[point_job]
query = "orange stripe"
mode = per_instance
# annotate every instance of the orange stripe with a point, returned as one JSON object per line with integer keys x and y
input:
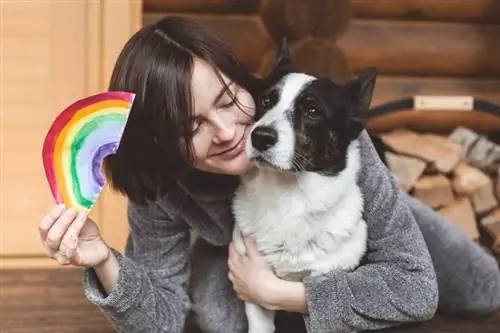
{"x": 65, "y": 138}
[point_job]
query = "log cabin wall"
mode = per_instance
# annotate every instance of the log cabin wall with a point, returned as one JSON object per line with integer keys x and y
{"x": 419, "y": 46}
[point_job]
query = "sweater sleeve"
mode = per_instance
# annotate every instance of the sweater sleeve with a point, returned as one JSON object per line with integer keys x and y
{"x": 396, "y": 282}
{"x": 151, "y": 291}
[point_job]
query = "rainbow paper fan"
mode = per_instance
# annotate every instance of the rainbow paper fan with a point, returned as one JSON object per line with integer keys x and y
{"x": 78, "y": 141}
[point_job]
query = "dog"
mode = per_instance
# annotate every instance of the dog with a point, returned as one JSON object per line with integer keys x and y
{"x": 301, "y": 203}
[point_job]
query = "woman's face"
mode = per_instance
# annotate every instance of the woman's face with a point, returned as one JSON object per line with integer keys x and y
{"x": 221, "y": 123}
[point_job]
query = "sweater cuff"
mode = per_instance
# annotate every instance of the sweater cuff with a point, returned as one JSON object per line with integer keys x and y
{"x": 125, "y": 294}
{"x": 322, "y": 297}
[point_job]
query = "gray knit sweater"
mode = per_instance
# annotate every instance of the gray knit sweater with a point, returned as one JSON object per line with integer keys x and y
{"x": 396, "y": 283}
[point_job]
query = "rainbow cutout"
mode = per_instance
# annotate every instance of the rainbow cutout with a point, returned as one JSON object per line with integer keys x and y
{"x": 79, "y": 139}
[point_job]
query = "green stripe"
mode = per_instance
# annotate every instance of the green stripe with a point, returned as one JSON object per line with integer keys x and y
{"x": 79, "y": 138}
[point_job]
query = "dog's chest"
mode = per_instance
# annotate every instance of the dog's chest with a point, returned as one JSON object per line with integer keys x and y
{"x": 301, "y": 227}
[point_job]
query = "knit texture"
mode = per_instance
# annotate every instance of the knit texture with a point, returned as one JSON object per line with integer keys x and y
{"x": 412, "y": 253}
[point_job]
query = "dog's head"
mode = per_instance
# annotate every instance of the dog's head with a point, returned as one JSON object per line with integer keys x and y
{"x": 304, "y": 123}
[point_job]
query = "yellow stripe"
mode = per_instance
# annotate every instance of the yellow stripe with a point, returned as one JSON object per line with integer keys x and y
{"x": 66, "y": 137}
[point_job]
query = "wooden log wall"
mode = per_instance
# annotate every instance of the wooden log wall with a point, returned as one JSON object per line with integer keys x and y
{"x": 440, "y": 47}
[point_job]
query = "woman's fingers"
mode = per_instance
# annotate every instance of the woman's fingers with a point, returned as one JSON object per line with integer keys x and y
{"x": 70, "y": 238}
{"x": 58, "y": 229}
{"x": 48, "y": 220}
{"x": 69, "y": 241}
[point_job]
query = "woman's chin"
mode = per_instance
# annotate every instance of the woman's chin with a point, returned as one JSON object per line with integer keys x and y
{"x": 237, "y": 166}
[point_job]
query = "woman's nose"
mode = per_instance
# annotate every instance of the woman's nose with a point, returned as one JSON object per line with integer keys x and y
{"x": 225, "y": 128}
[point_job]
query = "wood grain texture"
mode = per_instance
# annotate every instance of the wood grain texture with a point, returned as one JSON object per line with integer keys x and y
{"x": 389, "y": 88}
{"x": 52, "y": 300}
{"x": 35, "y": 60}
{"x": 329, "y": 60}
{"x": 296, "y": 19}
{"x": 49, "y": 300}
{"x": 245, "y": 33}
{"x": 423, "y": 48}
{"x": 478, "y": 11}
{"x": 202, "y": 6}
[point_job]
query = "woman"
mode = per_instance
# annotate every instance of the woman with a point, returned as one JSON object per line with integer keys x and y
{"x": 178, "y": 164}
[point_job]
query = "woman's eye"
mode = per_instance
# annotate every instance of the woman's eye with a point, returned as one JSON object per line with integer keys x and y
{"x": 229, "y": 104}
{"x": 196, "y": 126}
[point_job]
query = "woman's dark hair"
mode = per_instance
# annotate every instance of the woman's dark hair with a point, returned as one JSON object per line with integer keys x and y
{"x": 156, "y": 64}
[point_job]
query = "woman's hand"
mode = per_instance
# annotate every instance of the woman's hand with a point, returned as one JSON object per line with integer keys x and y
{"x": 252, "y": 278}
{"x": 72, "y": 238}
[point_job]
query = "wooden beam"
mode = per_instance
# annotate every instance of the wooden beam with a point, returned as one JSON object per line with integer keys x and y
{"x": 389, "y": 88}
{"x": 477, "y": 11}
{"x": 244, "y": 33}
{"x": 202, "y": 6}
{"x": 423, "y": 48}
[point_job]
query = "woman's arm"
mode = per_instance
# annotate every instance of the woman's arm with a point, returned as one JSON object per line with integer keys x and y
{"x": 151, "y": 282}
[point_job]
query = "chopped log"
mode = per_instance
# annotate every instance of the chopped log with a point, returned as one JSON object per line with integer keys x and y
{"x": 202, "y": 6}
{"x": 447, "y": 152}
{"x": 471, "y": 182}
{"x": 491, "y": 225}
{"x": 416, "y": 48}
{"x": 477, "y": 150}
{"x": 497, "y": 186}
{"x": 485, "y": 155}
{"x": 406, "y": 170}
{"x": 245, "y": 34}
{"x": 441, "y": 152}
{"x": 296, "y": 19}
{"x": 434, "y": 191}
{"x": 329, "y": 60}
{"x": 465, "y": 137}
{"x": 461, "y": 214}
{"x": 467, "y": 179}
{"x": 477, "y": 11}
{"x": 390, "y": 88}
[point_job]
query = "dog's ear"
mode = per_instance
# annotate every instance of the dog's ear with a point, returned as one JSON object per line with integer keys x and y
{"x": 361, "y": 90}
{"x": 361, "y": 94}
{"x": 283, "y": 63}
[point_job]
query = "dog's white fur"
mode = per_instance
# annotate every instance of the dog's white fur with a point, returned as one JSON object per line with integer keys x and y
{"x": 303, "y": 223}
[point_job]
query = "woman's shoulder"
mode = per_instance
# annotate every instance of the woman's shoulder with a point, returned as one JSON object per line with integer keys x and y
{"x": 165, "y": 207}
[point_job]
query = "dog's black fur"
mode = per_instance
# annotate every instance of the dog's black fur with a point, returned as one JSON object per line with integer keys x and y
{"x": 326, "y": 116}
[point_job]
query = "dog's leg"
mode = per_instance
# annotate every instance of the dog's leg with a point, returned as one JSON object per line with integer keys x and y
{"x": 238, "y": 242}
{"x": 260, "y": 320}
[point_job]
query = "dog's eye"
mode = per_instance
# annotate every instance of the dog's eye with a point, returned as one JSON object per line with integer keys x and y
{"x": 312, "y": 113}
{"x": 265, "y": 101}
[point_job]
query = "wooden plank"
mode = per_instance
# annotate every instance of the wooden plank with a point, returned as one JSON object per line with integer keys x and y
{"x": 244, "y": 33}
{"x": 47, "y": 300}
{"x": 202, "y": 6}
{"x": 297, "y": 19}
{"x": 390, "y": 88}
{"x": 423, "y": 48}
{"x": 477, "y": 11}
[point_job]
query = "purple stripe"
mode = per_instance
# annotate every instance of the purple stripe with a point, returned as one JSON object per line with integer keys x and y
{"x": 97, "y": 159}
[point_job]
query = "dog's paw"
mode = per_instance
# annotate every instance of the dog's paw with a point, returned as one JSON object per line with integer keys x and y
{"x": 262, "y": 329}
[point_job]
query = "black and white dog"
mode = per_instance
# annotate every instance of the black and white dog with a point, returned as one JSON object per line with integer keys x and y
{"x": 301, "y": 204}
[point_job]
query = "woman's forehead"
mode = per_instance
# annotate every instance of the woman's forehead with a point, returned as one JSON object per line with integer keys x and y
{"x": 206, "y": 86}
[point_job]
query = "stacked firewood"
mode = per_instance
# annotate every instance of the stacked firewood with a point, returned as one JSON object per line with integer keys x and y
{"x": 458, "y": 175}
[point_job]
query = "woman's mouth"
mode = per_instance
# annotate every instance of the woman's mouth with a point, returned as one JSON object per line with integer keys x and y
{"x": 234, "y": 151}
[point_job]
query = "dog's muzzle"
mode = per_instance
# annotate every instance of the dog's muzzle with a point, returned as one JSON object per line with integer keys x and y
{"x": 263, "y": 138}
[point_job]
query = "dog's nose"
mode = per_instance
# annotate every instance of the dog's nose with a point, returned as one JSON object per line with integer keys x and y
{"x": 264, "y": 137}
